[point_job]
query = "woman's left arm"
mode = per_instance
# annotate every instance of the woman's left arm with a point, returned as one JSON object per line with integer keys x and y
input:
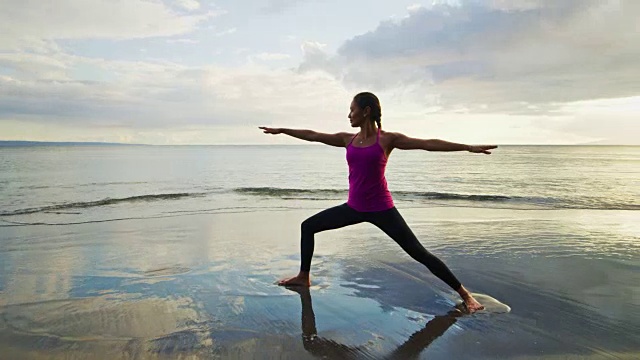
{"x": 403, "y": 142}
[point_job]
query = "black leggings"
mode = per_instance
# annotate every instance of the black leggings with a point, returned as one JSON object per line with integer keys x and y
{"x": 390, "y": 221}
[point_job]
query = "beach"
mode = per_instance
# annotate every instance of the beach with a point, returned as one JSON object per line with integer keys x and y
{"x": 199, "y": 286}
{"x": 193, "y": 277}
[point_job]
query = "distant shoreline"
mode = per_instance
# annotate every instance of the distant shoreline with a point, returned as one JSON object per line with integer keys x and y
{"x": 20, "y": 143}
{"x": 25, "y": 143}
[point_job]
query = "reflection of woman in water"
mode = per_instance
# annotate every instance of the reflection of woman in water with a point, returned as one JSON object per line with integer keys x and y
{"x": 326, "y": 348}
{"x": 369, "y": 199}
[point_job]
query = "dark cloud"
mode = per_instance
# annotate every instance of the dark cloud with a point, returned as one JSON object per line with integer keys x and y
{"x": 488, "y": 54}
{"x": 462, "y": 31}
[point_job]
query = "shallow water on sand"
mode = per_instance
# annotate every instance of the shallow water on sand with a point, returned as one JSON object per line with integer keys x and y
{"x": 149, "y": 254}
{"x": 203, "y": 286}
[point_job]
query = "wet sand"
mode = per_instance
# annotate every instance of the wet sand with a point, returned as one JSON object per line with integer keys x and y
{"x": 202, "y": 286}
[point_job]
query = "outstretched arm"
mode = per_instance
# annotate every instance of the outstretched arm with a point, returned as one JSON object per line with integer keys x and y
{"x": 338, "y": 139}
{"x": 403, "y": 142}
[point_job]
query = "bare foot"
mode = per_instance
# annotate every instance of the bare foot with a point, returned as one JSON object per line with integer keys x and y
{"x": 470, "y": 303}
{"x": 298, "y": 280}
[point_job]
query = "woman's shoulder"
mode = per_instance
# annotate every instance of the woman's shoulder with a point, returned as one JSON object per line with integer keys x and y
{"x": 387, "y": 138}
{"x": 389, "y": 135}
{"x": 347, "y": 135}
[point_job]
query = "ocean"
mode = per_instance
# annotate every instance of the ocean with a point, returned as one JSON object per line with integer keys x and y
{"x": 172, "y": 252}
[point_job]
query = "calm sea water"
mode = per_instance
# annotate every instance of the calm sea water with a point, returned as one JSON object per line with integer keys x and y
{"x": 554, "y": 231}
{"x": 94, "y": 183}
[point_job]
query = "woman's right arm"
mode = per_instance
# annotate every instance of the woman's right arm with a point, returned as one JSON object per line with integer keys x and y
{"x": 339, "y": 139}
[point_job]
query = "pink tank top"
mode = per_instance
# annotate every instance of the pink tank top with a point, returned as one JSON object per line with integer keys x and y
{"x": 368, "y": 190}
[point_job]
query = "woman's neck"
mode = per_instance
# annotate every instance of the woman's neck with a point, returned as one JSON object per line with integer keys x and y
{"x": 367, "y": 131}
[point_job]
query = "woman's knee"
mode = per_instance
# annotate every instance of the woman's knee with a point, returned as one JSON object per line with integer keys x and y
{"x": 308, "y": 226}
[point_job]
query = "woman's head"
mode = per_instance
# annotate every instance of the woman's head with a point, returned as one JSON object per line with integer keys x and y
{"x": 365, "y": 107}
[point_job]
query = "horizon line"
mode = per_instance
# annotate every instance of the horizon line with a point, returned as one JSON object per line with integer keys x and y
{"x": 98, "y": 143}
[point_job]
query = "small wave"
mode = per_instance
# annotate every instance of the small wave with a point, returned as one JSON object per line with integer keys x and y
{"x": 451, "y": 196}
{"x": 492, "y": 200}
{"x": 319, "y": 194}
{"x": 103, "y": 202}
{"x": 329, "y": 194}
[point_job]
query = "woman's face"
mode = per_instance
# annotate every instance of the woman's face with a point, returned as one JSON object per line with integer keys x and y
{"x": 356, "y": 115}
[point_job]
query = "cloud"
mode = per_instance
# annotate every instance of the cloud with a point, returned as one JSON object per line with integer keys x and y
{"x": 34, "y": 66}
{"x": 188, "y": 4}
{"x": 315, "y": 57}
{"x": 414, "y": 7}
{"x": 182, "y": 41}
{"x": 226, "y": 32}
{"x": 275, "y": 6}
{"x": 23, "y": 21}
{"x": 515, "y": 56}
{"x": 271, "y": 56}
{"x": 162, "y": 97}
{"x": 517, "y": 5}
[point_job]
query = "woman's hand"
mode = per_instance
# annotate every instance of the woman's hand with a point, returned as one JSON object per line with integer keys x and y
{"x": 268, "y": 130}
{"x": 481, "y": 149}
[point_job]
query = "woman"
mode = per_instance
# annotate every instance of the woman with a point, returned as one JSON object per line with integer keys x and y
{"x": 369, "y": 198}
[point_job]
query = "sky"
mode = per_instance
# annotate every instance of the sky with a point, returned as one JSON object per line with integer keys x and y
{"x": 211, "y": 72}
